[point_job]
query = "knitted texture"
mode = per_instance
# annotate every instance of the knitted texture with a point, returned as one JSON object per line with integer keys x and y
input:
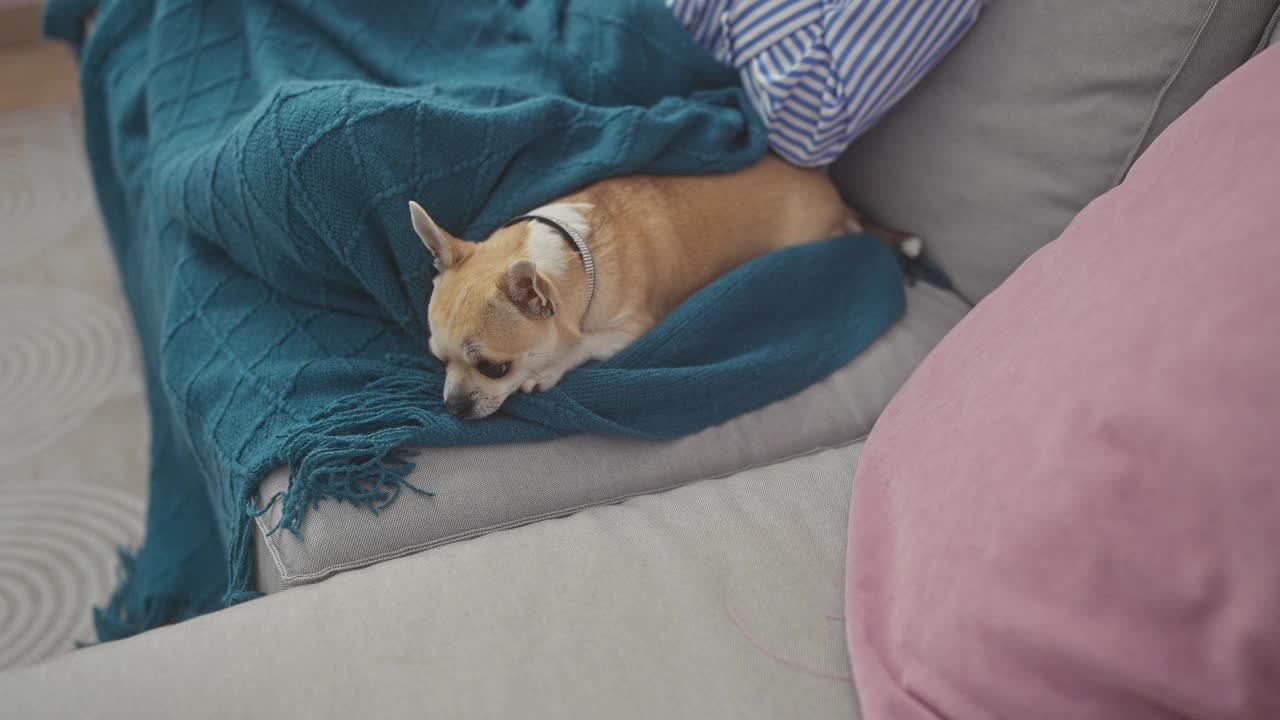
{"x": 253, "y": 161}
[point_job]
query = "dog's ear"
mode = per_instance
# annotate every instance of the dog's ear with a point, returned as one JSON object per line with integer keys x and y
{"x": 528, "y": 290}
{"x": 444, "y": 248}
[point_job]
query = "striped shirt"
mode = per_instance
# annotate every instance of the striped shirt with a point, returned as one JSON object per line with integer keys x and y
{"x": 822, "y": 72}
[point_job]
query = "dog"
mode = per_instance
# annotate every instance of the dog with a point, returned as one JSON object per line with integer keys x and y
{"x": 583, "y": 277}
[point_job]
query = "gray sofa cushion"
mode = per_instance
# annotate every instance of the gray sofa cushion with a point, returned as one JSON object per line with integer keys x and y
{"x": 718, "y": 600}
{"x": 1038, "y": 110}
{"x": 479, "y": 490}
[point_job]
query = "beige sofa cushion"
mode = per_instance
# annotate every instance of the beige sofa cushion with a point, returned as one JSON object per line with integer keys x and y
{"x": 482, "y": 489}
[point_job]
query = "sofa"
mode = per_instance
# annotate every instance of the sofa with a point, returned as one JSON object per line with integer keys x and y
{"x": 702, "y": 577}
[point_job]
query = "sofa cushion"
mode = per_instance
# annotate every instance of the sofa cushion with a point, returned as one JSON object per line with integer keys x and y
{"x": 717, "y": 600}
{"x": 1072, "y": 508}
{"x": 1038, "y": 110}
{"x": 478, "y": 490}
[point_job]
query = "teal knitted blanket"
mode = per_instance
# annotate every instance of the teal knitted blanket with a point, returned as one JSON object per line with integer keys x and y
{"x": 253, "y": 160}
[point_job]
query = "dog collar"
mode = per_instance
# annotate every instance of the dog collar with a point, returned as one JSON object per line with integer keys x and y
{"x": 574, "y": 237}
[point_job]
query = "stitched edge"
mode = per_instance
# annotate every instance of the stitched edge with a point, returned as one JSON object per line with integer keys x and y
{"x": 1268, "y": 32}
{"x": 271, "y": 548}
{"x": 297, "y": 580}
{"x": 1160, "y": 96}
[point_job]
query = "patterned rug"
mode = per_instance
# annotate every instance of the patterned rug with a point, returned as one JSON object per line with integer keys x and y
{"x": 73, "y": 434}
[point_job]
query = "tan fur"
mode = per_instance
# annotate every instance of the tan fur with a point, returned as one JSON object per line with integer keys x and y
{"x": 655, "y": 240}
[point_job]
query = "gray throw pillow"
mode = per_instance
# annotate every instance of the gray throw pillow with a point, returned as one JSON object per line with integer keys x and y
{"x": 1039, "y": 109}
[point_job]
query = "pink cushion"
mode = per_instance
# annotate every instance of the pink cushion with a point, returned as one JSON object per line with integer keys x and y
{"x": 1072, "y": 510}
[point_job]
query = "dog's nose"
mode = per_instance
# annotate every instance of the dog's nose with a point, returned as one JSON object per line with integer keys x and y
{"x": 460, "y": 406}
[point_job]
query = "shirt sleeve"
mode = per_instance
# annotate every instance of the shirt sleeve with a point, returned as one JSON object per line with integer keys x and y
{"x": 822, "y": 72}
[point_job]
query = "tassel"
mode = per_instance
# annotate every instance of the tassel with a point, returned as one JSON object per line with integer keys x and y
{"x": 354, "y": 450}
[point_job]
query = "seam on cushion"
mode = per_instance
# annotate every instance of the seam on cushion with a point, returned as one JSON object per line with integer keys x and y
{"x": 1164, "y": 91}
{"x": 295, "y": 580}
{"x": 270, "y": 542}
{"x": 1268, "y": 32}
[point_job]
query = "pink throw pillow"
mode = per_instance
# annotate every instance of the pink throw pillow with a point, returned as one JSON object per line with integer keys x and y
{"x": 1072, "y": 510}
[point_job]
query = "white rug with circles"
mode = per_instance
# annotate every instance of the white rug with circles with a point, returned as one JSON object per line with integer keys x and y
{"x": 73, "y": 432}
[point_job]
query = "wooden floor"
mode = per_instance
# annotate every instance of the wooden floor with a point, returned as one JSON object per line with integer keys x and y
{"x": 34, "y": 72}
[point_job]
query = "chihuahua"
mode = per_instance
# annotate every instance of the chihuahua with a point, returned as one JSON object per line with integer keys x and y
{"x": 581, "y": 278}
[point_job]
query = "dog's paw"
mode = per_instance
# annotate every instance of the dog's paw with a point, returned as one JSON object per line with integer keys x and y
{"x": 542, "y": 383}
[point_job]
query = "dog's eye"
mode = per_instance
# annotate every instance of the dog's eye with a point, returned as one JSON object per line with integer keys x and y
{"x": 493, "y": 371}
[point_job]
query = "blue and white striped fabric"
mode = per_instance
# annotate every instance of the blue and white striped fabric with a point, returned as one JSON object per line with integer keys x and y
{"x": 821, "y": 72}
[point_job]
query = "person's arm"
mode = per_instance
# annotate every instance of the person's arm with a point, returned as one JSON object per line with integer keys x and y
{"x": 821, "y": 72}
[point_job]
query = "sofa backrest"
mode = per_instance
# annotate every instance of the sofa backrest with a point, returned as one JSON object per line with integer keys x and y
{"x": 1042, "y": 107}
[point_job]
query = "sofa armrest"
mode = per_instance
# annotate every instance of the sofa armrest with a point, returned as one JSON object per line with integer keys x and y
{"x": 719, "y": 599}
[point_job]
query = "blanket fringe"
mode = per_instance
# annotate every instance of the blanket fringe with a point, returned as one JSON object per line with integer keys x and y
{"x": 354, "y": 450}
{"x": 134, "y": 608}
{"x": 240, "y": 573}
